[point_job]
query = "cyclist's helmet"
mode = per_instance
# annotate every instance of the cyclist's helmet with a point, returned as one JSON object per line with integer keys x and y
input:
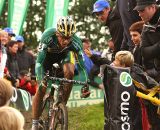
{"x": 66, "y": 26}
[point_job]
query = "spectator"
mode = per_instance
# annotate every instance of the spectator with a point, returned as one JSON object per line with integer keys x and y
{"x": 92, "y": 77}
{"x": 108, "y": 53}
{"x": 87, "y": 61}
{"x": 27, "y": 83}
{"x": 4, "y": 37}
{"x": 135, "y": 32}
{"x": 6, "y": 92}
{"x": 26, "y": 61}
{"x": 12, "y": 64}
{"x": 11, "y": 119}
{"x": 112, "y": 20}
{"x": 110, "y": 44}
{"x": 149, "y": 11}
{"x": 10, "y": 33}
{"x": 113, "y": 89}
{"x": 3, "y": 54}
{"x": 92, "y": 69}
{"x": 128, "y": 16}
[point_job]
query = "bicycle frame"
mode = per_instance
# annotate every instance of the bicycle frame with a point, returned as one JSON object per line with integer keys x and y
{"x": 58, "y": 104}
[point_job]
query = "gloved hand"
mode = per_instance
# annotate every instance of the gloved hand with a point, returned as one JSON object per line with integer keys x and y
{"x": 85, "y": 91}
{"x": 44, "y": 81}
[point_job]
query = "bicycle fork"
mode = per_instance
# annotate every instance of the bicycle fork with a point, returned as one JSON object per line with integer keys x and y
{"x": 53, "y": 113}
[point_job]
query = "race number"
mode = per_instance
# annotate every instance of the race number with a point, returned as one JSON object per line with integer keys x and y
{"x": 41, "y": 47}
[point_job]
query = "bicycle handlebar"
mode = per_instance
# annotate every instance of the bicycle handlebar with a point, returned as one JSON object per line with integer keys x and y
{"x": 66, "y": 80}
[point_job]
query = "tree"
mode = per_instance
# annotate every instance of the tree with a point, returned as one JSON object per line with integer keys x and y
{"x": 81, "y": 10}
{"x": 3, "y": 18}
{"x": 34, "y": 23}
{"x": 87, "y": 25}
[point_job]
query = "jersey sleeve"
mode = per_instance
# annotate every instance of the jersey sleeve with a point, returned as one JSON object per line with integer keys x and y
{"x": 81, "y": 67}
{"x": 77, "y": 47}
{"x": 42, "y": 50}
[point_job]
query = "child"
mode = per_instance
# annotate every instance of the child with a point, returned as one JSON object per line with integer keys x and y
{"x": 135, "y": 32}
{"x": 117, "y": 82}
{"x": 6, "y": 92}
{"x": 11, "y": 119}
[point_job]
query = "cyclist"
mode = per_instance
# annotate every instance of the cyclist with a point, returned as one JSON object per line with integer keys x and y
{"x": 58, "y": 46}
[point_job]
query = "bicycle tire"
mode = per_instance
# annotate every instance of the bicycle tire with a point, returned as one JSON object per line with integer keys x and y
{"x": 60, "y": 117}
{"x": 44, "y": 118}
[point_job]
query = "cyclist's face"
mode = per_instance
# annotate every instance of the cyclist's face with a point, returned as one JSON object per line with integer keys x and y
{"x": 63, "y": 41}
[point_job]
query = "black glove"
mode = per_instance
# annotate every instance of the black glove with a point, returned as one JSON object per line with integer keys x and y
{"x": 85, "y": 91}
{"x": 44, "y": 81}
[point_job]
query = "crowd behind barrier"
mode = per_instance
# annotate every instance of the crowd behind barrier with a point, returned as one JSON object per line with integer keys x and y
{"x": 135, "y": 29}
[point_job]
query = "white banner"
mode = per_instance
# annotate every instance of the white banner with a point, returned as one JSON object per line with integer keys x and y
{"x": 18, "y": 11}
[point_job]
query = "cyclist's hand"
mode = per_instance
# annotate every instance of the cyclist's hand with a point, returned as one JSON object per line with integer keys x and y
{"x": 85, "y": 91}
{"x": 45, "y": 79}
{"x": 44, "y": 82}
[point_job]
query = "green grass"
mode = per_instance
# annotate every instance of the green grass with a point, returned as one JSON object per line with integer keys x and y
{"x": 80, "y": 118}
{"x": 86, "y": 117}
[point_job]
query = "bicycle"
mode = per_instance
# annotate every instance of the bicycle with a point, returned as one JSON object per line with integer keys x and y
{"x": 56, "y": 117}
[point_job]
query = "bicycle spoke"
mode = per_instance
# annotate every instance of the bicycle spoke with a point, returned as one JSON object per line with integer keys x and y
{"x": 60, "y": 118}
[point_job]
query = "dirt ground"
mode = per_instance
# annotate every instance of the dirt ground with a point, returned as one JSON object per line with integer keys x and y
{"x": 28, "y": 119}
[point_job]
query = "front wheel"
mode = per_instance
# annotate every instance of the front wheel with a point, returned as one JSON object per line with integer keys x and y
{"x": 60, "y": 117}
{"x": 45, "y": 116}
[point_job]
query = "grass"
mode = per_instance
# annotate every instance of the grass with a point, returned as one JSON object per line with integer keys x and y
{"x": 80, "y": 118}
{"x": 86, "y": 117}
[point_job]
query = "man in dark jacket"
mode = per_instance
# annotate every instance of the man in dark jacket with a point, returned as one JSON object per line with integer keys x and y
{"x": 112, "y": 20}
{"x": 150, "y": 14}
{"x": 11, "y": 63}
{"x": 25, "y": 60}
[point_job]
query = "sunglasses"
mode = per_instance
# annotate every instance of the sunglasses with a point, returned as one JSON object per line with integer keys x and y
{"x": 64, "y": 38}
{"x": 99, "y": 13}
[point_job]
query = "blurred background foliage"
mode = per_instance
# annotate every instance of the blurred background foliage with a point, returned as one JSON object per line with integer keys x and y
{"x": 81, "y": 10}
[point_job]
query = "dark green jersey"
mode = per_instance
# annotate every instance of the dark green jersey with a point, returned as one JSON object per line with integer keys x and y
{"x": 50, "y": 53}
